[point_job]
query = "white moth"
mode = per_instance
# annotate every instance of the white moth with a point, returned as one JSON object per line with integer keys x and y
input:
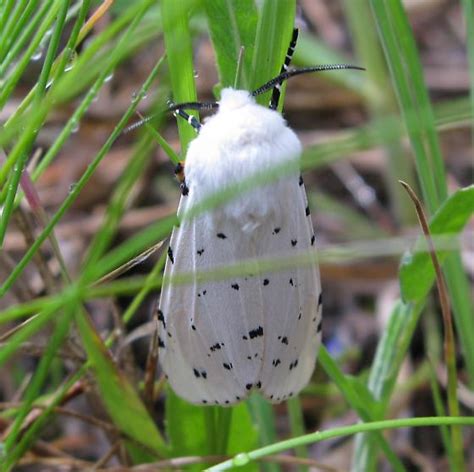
{"x": 220, "y": 340}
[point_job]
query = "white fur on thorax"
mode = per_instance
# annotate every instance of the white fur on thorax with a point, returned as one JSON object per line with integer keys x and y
{"x": 241, "y": 140}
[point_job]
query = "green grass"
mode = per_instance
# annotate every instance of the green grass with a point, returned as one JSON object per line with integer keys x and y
{"x": 398, "y": 105}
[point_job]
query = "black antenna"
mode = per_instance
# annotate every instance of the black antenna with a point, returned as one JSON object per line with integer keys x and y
{"x": 291, "y": 73}
{"x": 193, "y": 106}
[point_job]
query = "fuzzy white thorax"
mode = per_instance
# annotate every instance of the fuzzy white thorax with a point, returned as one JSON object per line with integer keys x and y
{"x": 242, "y": 139}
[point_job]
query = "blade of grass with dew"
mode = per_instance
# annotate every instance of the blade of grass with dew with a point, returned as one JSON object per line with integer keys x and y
{"x": 179, "y": 55}
{"x": 232, "y": 26}
{"x": 5, "y": 15}
{"x": 274, "y": 27}
{"x": 23, "y": 25}
{"x": 59, "y": 65}
{"x": 15, "y": 35}
{"x": 90, "y": 170}
{"x": 12, "y": 80}
{"x": 120, "y": 399}
{"x": 21, "y": 162}
{"x": 69, "y": 81}
{"x": 243, "y": 459}
{"x": 416, "y": 271}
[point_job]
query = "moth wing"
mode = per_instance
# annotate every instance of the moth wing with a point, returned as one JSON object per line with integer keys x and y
{"x": 213, "y": 329}
{"x": 292, "y": 301}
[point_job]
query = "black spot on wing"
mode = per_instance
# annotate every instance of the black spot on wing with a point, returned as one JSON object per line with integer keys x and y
{"x": 313, "y": 239}
{"x": 293, "y": 364}
{"x": 266, "y": 281}
{"x": 319, "y": 327}
{"x": 276, "y": 230}
{"x": 255, "y": 333}
{"x": 320, "y": 299}
{"x": 301, "y": 182}
{"x": 276, "y": 362}
{"x": 307, "y": 211}
{"x": 200, "y": 252}
{"x": 294, "y": 242}
{"x": 216, "y": 347}
{"x": 228, "y": 366}
{"x": 249, "y": 386}
{"x": 161, "y": 318}
{"x": 235, "y": 286}
{"x": 291, "y": 282}
{"x": 283, "y": 339}
{"x": 170, "y": 254}
{"x": 161, "y": 343}
{"x": 221, "y": 236}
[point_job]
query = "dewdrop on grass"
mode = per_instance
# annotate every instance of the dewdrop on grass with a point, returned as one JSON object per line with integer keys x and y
{"x": 221, "y": 339}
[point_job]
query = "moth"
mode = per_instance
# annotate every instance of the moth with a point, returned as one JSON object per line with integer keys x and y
{"x": 220, "y": 339}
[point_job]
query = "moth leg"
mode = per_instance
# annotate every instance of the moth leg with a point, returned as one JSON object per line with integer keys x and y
{"x": 289, "y": 54}
{"x": 179, "y": 173}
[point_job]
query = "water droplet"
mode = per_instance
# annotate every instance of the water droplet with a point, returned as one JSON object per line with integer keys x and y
{"x": 37, "y": 55}
{"x": 69, "y": 67}
{"x": 75, "y": 128}
{"x": 108, "y": 78}
{"x": 72, "y": 187}
{"x": 241, "y": 459}
{"x": 196, "y": 74}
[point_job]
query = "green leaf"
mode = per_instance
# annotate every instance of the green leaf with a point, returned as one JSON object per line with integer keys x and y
{"x": 193, "y": 430}
{"x": 120, "y": 399}
{"x": 231, "y": 26}
{"x": 416, "y": 272}
{"x": 274, "y": 29}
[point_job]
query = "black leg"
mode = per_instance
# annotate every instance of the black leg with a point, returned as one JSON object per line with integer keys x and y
{"x": 289, "y": 54}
